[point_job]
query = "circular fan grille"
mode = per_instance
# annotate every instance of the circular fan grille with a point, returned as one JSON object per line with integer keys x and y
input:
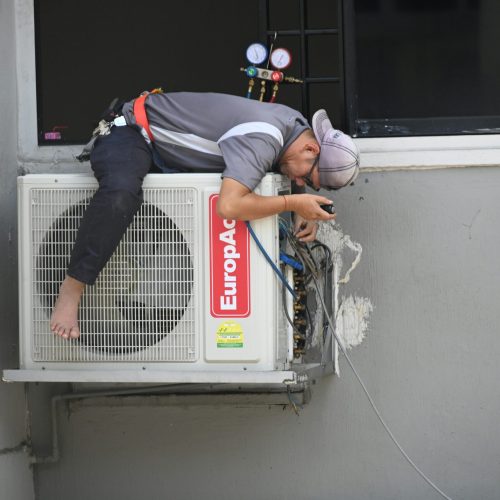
{"x": 141, "y": 295}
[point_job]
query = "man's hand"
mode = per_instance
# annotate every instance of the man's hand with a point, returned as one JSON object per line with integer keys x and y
{"x": 308, "y": 206}
{"x": 305, "y": 230}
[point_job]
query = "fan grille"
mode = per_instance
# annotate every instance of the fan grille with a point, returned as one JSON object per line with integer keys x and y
{"x": 142, "y": 307}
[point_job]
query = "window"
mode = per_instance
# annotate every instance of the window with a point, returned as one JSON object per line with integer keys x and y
{"x": 379, "y": 67}
{"x": 423, "y": 67}
{"x": 90, "y": 52}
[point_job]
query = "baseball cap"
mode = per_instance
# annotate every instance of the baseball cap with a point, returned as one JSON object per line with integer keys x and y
{"x": 339, "y": 157}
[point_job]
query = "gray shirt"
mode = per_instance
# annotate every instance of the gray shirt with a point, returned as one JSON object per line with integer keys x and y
{"x": 204, "y": 132}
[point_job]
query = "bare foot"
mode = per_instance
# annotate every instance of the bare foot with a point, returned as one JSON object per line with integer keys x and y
{"x": 64, "y": 320}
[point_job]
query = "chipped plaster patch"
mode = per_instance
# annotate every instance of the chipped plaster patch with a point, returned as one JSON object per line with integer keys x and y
{"x": 352, "y": 320}
{"x": 352, "y": 313}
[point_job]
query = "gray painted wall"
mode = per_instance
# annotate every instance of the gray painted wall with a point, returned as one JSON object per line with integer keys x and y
{"x": 430, "y": 266}
{"x": 16, "y": 481}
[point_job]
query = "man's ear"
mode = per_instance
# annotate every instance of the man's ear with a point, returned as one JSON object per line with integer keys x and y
{"x": 312, "y": 147}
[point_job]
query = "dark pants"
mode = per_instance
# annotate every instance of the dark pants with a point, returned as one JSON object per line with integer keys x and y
{"x": 120, "y": 161}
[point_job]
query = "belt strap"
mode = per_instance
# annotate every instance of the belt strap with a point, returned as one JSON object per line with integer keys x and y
{"x": 140, "y": 114}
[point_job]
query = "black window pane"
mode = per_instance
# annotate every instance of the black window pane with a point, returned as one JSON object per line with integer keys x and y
{"x": 323, "y": 56}
{"x": 283, "y": 14}
{"x": 429, "y": 66}
{"x": 327, "y": 96}
{"x": 291, "y": 95}
{"x": 322, "y": 14}
{"x": 425, "y": 5}
{"x": 89, "y": 52}
{"x": 84, "y": 60}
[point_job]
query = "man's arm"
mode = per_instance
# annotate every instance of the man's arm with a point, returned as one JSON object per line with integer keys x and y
{"x": 236, "y": 201}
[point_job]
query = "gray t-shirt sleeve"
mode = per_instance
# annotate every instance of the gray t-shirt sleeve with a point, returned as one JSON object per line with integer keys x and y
{"x": 249, "y": 157}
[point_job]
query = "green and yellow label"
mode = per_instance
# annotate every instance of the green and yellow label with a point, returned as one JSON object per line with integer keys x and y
{"x": 229, "y": 334}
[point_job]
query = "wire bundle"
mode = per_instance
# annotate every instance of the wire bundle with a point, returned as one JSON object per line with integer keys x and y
{"x": 313, "y": 271}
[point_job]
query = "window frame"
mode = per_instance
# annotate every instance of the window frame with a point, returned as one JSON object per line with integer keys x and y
{"x": 377, "y": 154}
{"x": 29, "y": 152}
{"x": 415, "y": 151}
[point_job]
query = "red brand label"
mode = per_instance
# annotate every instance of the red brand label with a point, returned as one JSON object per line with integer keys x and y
{"x": 229, "y": 266}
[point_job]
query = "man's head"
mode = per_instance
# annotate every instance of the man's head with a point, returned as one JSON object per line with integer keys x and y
{"x": 338, "y": 163}
{"x": 324, "y": 158}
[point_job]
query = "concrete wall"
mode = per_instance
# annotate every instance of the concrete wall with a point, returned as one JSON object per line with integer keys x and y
{"x": 430, "y": 266}
{"x": 16, "y": 482}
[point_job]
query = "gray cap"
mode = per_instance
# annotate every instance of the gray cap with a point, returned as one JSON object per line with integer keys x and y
{"x": 339, "y": 157}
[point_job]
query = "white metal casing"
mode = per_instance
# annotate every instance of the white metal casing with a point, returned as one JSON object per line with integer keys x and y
{"x": 197, "y": 349}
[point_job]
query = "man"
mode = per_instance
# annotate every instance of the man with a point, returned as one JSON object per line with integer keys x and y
{"x": 202, "y": 132}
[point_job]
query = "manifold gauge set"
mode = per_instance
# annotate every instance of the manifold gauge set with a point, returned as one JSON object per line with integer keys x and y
{"x": 260, "y": 59}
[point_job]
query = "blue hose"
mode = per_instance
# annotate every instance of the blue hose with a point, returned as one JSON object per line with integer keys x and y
{"x": 268, "y": 258}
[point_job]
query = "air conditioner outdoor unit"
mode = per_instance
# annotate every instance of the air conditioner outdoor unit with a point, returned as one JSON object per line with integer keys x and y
{"x": 187, "y": 297}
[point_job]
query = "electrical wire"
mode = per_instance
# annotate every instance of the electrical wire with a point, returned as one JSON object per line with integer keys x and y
{"x": 306, "y": 263}
{"x": 367, "y": 393}
{"x": 328, "y": 253}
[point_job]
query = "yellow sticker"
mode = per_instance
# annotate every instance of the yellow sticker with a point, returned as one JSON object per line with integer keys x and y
{"x": 229, "y": 334}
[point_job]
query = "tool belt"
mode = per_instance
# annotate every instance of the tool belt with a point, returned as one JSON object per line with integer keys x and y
{"x": 108, "y": 119}
{"x": 112, "y": 117}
